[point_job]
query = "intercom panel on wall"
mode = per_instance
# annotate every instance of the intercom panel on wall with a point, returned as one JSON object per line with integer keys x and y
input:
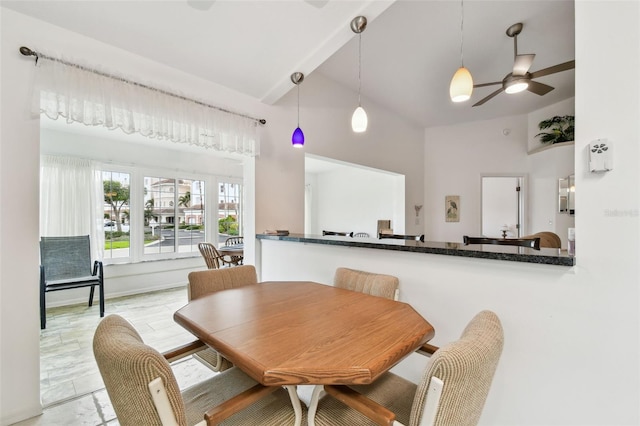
{"x": 600, "y": 156}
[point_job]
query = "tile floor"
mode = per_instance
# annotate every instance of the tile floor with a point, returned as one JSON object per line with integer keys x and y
{"x": 72, "y": 390}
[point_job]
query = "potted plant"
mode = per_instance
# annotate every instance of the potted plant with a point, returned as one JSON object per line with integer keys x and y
{"x": 560, "y": 129}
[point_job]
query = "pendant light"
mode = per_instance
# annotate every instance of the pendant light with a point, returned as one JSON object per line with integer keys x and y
{"x": 359, "y": 119}
{"x": 461, "y": 85}
{"x": 297, "y": 139}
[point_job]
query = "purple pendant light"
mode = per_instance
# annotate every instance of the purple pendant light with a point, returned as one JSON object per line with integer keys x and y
{"x": 297, "y": 139}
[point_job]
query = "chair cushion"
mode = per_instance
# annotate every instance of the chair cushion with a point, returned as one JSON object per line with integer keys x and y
{"x": 391, "y": 391}
{"x": 274, "y": 409}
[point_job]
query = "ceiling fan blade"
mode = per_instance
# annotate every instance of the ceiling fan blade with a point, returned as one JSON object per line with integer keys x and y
{"x": 554, "y": 69}
{"x": 539, "y": 88}
{"x": 487, "y": 84}
{"x": 486, "y": 98}
{"x": 522, "y": 64}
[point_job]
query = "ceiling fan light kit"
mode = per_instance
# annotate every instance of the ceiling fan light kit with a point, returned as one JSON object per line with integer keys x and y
{"x": 520, "y": 79}
{"x": 515, "y": 84}
{"x": 359, "y": 120}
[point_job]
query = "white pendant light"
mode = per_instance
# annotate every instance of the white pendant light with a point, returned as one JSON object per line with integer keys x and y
{"x": 359, "y": 120}
{"x": 461, "y": 85}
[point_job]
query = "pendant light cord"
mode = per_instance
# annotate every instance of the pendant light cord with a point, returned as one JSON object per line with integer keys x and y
{"x": 461, "y": 31}
{"x": 298, "y": 104}
{"x": 359, "y": 67}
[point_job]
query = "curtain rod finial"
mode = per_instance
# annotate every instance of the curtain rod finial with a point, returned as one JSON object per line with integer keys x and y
{"x": 26, "y": 51}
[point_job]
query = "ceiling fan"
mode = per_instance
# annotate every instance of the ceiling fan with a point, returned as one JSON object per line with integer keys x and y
{"x": 520, "y": 78}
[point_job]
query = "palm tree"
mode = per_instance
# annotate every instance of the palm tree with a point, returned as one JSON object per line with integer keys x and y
{"x": 185, "y": 199}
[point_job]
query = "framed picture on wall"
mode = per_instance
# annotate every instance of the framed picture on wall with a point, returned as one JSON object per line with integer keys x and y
{"x": 452, "y": 208}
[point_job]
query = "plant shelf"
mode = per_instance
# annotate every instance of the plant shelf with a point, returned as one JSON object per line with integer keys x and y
{"x": 546, "y": 147}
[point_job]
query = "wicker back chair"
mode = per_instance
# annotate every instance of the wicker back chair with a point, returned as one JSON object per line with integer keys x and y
{"x": 452, "y": 391}
{"x": 366, "y": 282}
{"x": 65, "y": 263}
{"x": 143, "y": 389}
{"x": 202, "y": 283}
{"x": 361, "y": 235}
{"x": 211, "y": 255}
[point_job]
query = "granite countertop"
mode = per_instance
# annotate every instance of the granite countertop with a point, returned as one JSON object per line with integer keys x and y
{"x": 545, "y": 256}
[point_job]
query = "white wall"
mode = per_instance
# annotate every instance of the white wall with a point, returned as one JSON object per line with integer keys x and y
{"x": 353, "y": 199}
{"x": 389, "y": 143}
{"x": 457, "y": 156}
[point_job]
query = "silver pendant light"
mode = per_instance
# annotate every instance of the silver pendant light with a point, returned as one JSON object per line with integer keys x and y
{"x": 461, "y": 85}
{"x": 359, "y": 119}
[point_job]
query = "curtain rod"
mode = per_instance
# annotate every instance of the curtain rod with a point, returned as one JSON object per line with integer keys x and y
{"x": 29, "y": 52}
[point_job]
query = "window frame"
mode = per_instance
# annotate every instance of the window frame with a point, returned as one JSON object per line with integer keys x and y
{"x": 136, "y": 208}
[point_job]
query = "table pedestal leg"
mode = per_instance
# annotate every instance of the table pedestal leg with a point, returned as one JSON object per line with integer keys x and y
{"x": 295, "y": 402}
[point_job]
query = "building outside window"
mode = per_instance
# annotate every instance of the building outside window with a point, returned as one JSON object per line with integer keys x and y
{"x": 229, "y": 210}
{"x": 173, "y": 215}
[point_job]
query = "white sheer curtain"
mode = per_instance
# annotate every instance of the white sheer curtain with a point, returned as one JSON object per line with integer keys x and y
{"x": 71, "y": 200}
{"x": 99, "y": 99}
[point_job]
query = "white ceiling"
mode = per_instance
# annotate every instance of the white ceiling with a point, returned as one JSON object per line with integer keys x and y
{"x": 410, "y": 49}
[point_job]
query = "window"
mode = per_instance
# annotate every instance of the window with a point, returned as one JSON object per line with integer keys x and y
{"x": 116, "y": 214}
{"x": 174, "y": 213}
{"x": 229, "y": 210}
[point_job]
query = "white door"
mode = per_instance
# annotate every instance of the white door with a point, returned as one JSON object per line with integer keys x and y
{"x": 502, "y": 206}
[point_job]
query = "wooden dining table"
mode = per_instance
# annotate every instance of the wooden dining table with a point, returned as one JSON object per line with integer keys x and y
{"x": 290, "y": 333}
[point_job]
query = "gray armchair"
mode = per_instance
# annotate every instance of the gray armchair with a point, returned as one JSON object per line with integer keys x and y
{"x": 65, "y": 263}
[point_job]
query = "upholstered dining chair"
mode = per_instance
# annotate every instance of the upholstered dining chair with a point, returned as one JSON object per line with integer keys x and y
{"x": 382, "y": 235}
{"x": 211, "y": 255}
{"x": 202, "y": 283}
{"x": 143, "y": 389}
{"x": 340, "y": 234}
{"x": 547, "y": 239}
{"x": 367, "y": 282}
{"x": 452, "y": 391}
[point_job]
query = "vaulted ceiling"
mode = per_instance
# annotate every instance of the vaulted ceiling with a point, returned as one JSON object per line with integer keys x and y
{"x": 410, "y": 49}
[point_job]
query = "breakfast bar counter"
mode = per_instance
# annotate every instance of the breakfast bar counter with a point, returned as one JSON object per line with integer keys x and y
{"x": 545, "y": 256}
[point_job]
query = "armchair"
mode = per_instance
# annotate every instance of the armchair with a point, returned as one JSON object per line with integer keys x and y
{"x": 453, "y": 389}
{"x": 143, "y": 389}
{"x": 65, "y": 263}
